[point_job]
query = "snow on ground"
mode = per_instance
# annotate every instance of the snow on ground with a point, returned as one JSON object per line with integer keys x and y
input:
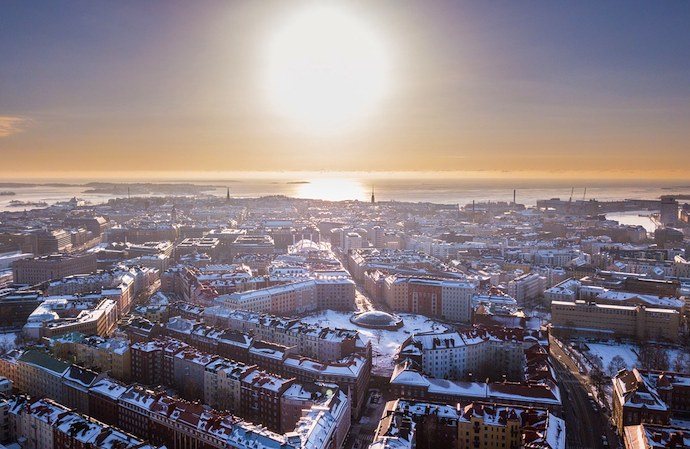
{"x": 384, "y": 343}
{"x": 8, "y": 341}
{"x": 675, "y": 354}
{"x": 607, "y": 351}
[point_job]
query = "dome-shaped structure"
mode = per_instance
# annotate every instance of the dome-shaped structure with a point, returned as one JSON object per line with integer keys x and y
{"x": 377, "y": 319}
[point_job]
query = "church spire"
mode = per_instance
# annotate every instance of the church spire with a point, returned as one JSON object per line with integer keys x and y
{"x": 373, "y": 199}
{"x": 227, "y": 196}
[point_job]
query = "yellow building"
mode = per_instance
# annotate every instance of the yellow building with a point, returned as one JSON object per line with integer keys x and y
{"x": 111, "y": 355}
{"x": 638, "y": 322}
{"x": 489, "y": 427}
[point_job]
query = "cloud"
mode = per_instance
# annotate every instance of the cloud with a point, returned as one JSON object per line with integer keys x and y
{"x": 11, "y": 125}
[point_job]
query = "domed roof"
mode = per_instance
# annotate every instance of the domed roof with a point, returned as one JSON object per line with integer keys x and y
{"x": 376, "y": 318}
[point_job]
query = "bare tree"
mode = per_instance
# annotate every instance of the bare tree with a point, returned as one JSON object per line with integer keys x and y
{"x": 654, "y": 357}
{"x": 616, "y": 364}
{"x": 596, "y": 362}
{"x": 379, "y": 335}
{"x": 680, "y": 363}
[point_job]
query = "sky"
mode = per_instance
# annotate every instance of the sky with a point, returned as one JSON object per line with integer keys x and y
{"x": 544, "y": 88}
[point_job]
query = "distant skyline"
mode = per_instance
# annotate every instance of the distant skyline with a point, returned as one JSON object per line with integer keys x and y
{"x": 525, "y": 89}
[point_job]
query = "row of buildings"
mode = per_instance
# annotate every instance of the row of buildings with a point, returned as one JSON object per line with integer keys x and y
{"x": 37, "y": 423}
{"x": 193, "y": 351}
{"x": 407, "y": 424}
{"x": 509, "y": 366}
{"x": 127, "y": 417}
{"x": 280, "y": 404}
{"x": 90, "y": 304}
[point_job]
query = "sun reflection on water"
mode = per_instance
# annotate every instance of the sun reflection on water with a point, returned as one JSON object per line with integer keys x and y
{"x": 334, "y": 189}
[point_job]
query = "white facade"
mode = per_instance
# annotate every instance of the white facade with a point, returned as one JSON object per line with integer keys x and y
{"x": 352, "y": 240}
{"x": 456, "y": 299}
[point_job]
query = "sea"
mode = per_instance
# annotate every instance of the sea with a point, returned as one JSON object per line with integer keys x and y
{"x": 442, "y": 188}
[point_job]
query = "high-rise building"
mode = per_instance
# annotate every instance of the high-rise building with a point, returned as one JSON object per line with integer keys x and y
{"x": 668, "y": 214}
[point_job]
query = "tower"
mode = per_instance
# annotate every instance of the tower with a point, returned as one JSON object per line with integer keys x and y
{"x": 373, "y": 199}
{"x": 227, "y": 196}
{"x": 668, "y": 211}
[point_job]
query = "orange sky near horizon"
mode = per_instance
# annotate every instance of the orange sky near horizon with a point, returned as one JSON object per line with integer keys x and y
{"x": 522, "y": 90}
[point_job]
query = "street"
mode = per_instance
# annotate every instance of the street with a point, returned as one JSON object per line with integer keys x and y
{"x": 362, "y": 301}
{"x": 361, "y": 433}
{"x": 584, "y": 425}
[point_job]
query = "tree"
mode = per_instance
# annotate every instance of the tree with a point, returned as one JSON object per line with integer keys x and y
{"x": 597, "y": 377}
{"x": 680, "y": 363}
{"x": 596, "y": 362}
{"x": 654, "y": 357}
{"x": 616, "y": 364}
{"x": 379, "y": 335}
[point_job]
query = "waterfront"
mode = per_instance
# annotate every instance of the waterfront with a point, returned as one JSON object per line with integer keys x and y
{"x": 634, "y": 218}
{"x": 359, "y": 186}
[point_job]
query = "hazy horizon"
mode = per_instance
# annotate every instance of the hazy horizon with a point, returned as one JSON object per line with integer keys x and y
{"x": 507, "y": 180}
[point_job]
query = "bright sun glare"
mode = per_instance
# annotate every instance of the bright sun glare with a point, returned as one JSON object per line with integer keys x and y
{"x": 326, "y": 69}
{"x": 332, "y": 189}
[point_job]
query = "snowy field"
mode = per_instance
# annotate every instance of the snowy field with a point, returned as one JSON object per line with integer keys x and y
{"x": 384, "y": 343}
{"x": 607, "y": 351}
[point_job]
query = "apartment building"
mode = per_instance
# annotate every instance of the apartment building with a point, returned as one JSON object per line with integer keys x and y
{"x": 40, "y": 269}
{"x": 639, "y": 322}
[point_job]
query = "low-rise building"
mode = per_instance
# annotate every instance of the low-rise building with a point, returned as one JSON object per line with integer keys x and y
{"x": 639, "y": 322}
{"x": 636, "y": 401}
{"x": 89, "y": 315}
{"x": 56, "y": 266}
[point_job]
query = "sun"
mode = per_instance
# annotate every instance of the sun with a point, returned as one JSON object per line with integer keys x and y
{"x": 326, "y": 70}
